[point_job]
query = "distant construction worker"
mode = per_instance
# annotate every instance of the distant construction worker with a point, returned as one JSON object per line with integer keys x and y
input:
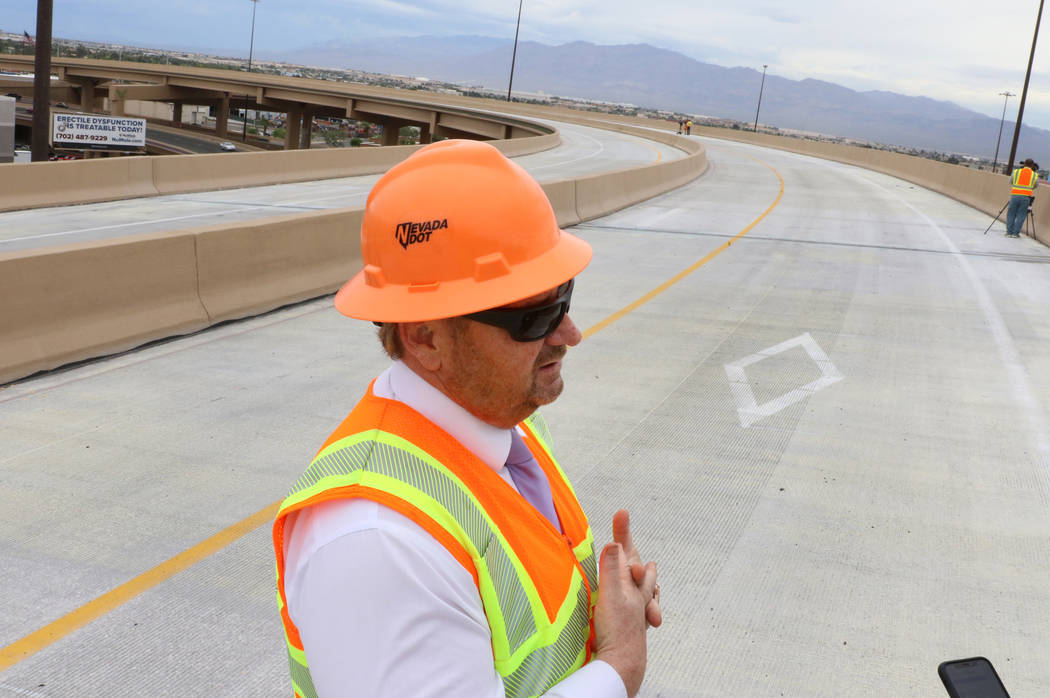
{"x": 688, "y": 126}
{"x": 434, "y": 547}
{"x": 1022, "y": 192}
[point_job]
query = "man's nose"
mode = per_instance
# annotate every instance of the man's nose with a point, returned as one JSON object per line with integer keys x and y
{"x": 567, "y": 333}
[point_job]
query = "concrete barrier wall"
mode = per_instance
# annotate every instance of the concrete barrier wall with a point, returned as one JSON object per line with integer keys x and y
{"x": 34, "y": 185}
{"x": 87, "y": 300}
{"x": 254, "y": 267}
{"x": 516, "y": 147}
{"x": 601, "y": 194}
{"x": 64, "y": 304}
{"x": 985, "y": 191}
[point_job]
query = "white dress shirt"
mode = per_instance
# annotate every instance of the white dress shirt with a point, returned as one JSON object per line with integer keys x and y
{"x": 383, "y": 609}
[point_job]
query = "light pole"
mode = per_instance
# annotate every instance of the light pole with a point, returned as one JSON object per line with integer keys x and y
{"x": 42, "y": 82}
{"x": 760, "y": 88}
{"x": 995, "y": 160}
{"x": 251, "y": 48}
{"x": 1024, "y": 92}
{"x": 514, "y": 55}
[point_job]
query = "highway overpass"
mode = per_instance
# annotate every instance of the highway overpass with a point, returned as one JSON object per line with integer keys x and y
{"x": 110, "y": 86}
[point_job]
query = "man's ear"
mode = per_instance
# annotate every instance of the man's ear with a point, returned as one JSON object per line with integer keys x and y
{"x": 421, "y": 344}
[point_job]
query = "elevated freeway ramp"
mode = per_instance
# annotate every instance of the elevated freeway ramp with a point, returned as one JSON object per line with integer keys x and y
{"x": 821, "y": 392}
{"x": 583, "y": 150}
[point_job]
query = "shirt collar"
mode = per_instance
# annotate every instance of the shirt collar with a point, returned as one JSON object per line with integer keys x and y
{"x": 490, "y": 444}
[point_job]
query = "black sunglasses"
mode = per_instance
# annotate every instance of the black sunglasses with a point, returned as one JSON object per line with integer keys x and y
{"x": 529, "y": 324}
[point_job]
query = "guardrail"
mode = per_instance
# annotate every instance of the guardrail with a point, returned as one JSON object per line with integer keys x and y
{"x": 39, "y": 184}
{"x": 75, "y": 302}
{"x": 985, "y": 191}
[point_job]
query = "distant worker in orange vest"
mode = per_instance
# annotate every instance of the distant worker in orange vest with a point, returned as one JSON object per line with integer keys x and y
{"x": 1022, "y": 192}
{"x": 434, "y": 546}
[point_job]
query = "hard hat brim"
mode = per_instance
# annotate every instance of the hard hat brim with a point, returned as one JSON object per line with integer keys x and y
{"x": 400, "y": 303}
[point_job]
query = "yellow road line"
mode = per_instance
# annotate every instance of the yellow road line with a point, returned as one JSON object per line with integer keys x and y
{"x": 79, "y": 617}
{"x": 658, "y": 153}
{"x": 58, "y": 629}
{"x": 686, "y": 272}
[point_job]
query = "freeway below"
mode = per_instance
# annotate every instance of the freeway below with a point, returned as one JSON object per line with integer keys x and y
{"x": 186, "y": 141}
{"x": 168, "y": 138}
{"x": 821, "y": 392}
{"x": 584, "y": 150}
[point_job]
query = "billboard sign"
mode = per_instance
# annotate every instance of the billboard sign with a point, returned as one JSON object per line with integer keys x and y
{"x": 97, "y": 132}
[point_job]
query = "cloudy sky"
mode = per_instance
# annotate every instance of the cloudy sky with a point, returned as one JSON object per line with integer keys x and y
{"x": 966, "y": 51}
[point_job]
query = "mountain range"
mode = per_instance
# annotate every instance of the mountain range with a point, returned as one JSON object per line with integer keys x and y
{"x": 658, "y": 78}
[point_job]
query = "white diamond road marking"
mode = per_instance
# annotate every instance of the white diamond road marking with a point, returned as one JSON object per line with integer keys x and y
{"x": 750, "y": 411}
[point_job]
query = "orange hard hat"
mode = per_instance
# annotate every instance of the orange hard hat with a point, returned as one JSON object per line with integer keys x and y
{"x": 454, "y": 229}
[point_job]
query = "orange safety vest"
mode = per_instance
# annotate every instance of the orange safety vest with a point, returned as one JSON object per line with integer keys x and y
{"x": 538, "y": 585}
{"x": 1024, "y": 181}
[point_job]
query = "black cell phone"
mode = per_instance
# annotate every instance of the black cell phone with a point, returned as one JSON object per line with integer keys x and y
{"x": 971, "y": 678}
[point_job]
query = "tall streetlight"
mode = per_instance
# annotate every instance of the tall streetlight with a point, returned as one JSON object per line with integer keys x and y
{"x": 514, "y": 55}
{"x": 42, "y": 82}
{"x": 1024, "y": 92}
{"x": 251, "y": 48}
{"x": 995, "y": 160}
{"x": 760, "y": 88}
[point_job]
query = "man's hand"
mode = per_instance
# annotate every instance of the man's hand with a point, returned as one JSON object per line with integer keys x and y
{"x": 620, "y": 617}
{"x": 622, "y": 535}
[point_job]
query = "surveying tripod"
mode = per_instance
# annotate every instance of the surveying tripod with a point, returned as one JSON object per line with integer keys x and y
{"x": 1029, "y": 221}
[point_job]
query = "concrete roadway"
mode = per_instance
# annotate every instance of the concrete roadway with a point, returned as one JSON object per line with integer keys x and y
{"x": 583, "y": 150}
{"x": 831, "y": 434}
{"x": 193, "y": 141}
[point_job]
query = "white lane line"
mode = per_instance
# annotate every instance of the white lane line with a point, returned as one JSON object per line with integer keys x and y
{"x": 1027, "y": 401}
{"x": 599, "y": 151}
{"x": 176, "y": 218}
{"x": 748, "y": 409}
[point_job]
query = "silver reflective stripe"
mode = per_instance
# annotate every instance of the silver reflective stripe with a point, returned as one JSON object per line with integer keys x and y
{"x": 590, "y": 568}
{"x": 539, "y": 425}
{"x": 344, "y": 461}
{"x": 545, "y": 666}
{"x": 393, "y": 462}
{"x": 301, "y": 678}
{"x": 380, "y": 458}
{"x": 513, "y": 602}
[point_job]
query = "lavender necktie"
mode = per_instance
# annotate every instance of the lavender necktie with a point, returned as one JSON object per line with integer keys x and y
{"x": 530, "y": 479}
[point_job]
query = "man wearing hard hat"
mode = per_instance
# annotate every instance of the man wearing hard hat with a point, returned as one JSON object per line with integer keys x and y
{"x": 1022, "y": 190}
{"x": 434, "y": 547}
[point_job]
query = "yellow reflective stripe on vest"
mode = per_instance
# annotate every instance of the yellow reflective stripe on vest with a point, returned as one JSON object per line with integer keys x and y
{"x": 538, "y": 426}
{"x": 558, "y": 659}
{"x": 386, "y": 461}
{"x": 499, "y": 578}
{"x": 302, "y": 682}
{"x": 1017, "y": 178}
{"x": 515, "y": 611}
{"x": 1027, "y": 189}
{"x": 589, "y": 562}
